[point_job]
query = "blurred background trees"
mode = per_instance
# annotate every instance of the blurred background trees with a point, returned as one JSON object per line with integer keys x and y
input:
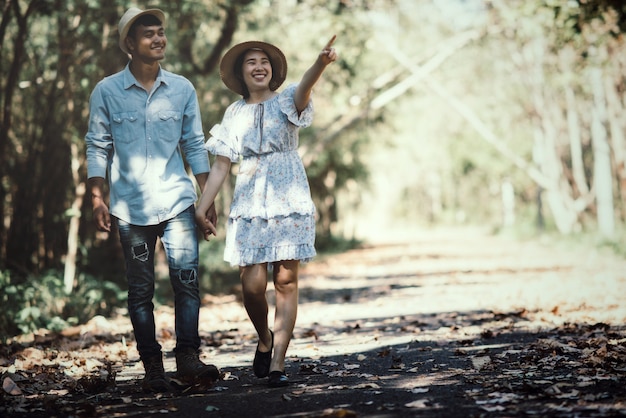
{"x": 440, "y": 112}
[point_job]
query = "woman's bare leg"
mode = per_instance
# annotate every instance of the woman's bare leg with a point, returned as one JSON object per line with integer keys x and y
{"x": 254, "y": 286}
{"x": 286, "y": 286}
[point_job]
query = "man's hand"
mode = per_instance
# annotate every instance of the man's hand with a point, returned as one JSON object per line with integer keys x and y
{"x": 206, "y": 222}
{"x": 101, "y": 214}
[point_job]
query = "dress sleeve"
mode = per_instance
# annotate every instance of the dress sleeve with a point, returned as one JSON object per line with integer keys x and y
{"x": 288, "y": 107}
{"x": 221, "y": 142}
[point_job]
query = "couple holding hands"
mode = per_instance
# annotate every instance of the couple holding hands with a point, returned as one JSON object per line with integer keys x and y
{"x": 143, "y": 120}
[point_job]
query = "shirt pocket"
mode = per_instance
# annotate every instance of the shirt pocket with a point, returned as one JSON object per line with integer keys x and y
{"x": 125, "y": 127}
{"x": 170, "y": 125}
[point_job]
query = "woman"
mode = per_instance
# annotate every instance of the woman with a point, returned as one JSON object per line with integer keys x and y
{"x": 271, "y": 224}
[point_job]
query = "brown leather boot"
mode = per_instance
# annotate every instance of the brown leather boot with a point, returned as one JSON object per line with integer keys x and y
{"x": 191, "y": 370}
{"x": 155, "y": 380}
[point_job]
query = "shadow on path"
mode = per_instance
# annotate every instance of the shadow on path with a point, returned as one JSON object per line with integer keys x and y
{"x": 443, "y": 326}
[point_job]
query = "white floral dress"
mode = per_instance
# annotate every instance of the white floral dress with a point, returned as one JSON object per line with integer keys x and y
{"x": 272, "y": 216}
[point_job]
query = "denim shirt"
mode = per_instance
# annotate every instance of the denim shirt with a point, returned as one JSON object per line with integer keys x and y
{"x": 137, "y": 139}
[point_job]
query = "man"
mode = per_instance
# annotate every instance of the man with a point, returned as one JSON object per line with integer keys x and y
{"x": 142, "y": 120}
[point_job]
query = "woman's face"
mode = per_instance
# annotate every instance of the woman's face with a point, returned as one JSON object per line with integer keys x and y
{"x": 256, "y": 70}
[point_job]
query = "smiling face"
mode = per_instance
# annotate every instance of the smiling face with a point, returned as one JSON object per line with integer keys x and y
{"x": 256, "y": 70}
{"x": 147, "y": 43}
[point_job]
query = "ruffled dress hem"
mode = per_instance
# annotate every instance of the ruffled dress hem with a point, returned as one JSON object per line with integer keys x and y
{"x": 303, "y": 252}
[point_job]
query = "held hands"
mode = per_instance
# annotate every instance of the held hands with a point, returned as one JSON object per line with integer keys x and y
{"x": 328, "y": 54}
{"x": 207, "y": 228}
{"x": 206, "y": 221}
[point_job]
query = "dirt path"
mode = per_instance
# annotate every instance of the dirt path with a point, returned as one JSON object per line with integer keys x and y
{"x": 448, "y": 323}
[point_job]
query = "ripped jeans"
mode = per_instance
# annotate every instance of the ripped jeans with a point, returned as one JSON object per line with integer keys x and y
{"x": 179, "y": 238}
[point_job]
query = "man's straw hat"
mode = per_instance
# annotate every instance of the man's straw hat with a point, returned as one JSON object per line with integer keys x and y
{"x": 129, "y": 18}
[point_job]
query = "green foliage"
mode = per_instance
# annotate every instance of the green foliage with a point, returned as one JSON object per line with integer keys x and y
{"x": 41, "y": 302}
{"x": 512, "y": 78}
{"x": 607, "y": 11}
{"x": 216, "y": 275}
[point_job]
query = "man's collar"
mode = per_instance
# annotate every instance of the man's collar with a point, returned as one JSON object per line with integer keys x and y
{"x": 130, "y": 80}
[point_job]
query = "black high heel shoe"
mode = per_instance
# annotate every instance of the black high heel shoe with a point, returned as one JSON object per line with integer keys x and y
{"x": 261, "y": 363}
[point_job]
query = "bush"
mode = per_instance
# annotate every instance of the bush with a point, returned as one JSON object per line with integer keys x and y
{"x": 40, "y": 302}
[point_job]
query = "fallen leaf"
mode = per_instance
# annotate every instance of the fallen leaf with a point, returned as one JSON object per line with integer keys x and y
{"x": 33, "y": 354}
{"x": 58, "y": 392}
{"x": 384, "y": 353}
{"x": 419, "y": 390}
{"x": 553, "y": 390}
{"x": 11, "y": 387}
{"x": 339, "y": 373}
{"x": 496, "y": 408}
{"x": 366, "y": 386}
{"x": 420, "y": 403}
{"x": 338, "y": 413}
{"x": 480, "y": 362}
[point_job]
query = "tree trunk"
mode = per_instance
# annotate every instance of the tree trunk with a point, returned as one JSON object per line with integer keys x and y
{"x": 546, "y": 150}
{"x": 7, "y": 90}
{"x": 618, "y": 142}
{"x": 602, "y": 176}
{"x": 575, "y": 145}
{"x": 508, "y": 203}
{"x": 564, "y": 218}
{"x": 72, "y": 235}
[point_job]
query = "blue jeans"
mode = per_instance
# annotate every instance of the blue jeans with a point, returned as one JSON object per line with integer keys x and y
{"x": 180, "y": 240}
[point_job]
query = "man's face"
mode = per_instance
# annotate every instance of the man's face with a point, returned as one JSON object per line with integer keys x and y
{"x": 148, "y": 43}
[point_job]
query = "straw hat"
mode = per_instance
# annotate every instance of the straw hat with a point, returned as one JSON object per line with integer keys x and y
{"x": 276, "y": 56}
{"x": 129, "y": 18}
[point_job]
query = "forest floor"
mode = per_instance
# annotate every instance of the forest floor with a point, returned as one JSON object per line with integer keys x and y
{"x": 446, "y": 324}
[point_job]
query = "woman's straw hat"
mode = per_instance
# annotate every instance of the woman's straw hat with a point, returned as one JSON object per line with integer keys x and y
{"x": 129, "y": 18}
{"x": 227, "y": 66}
